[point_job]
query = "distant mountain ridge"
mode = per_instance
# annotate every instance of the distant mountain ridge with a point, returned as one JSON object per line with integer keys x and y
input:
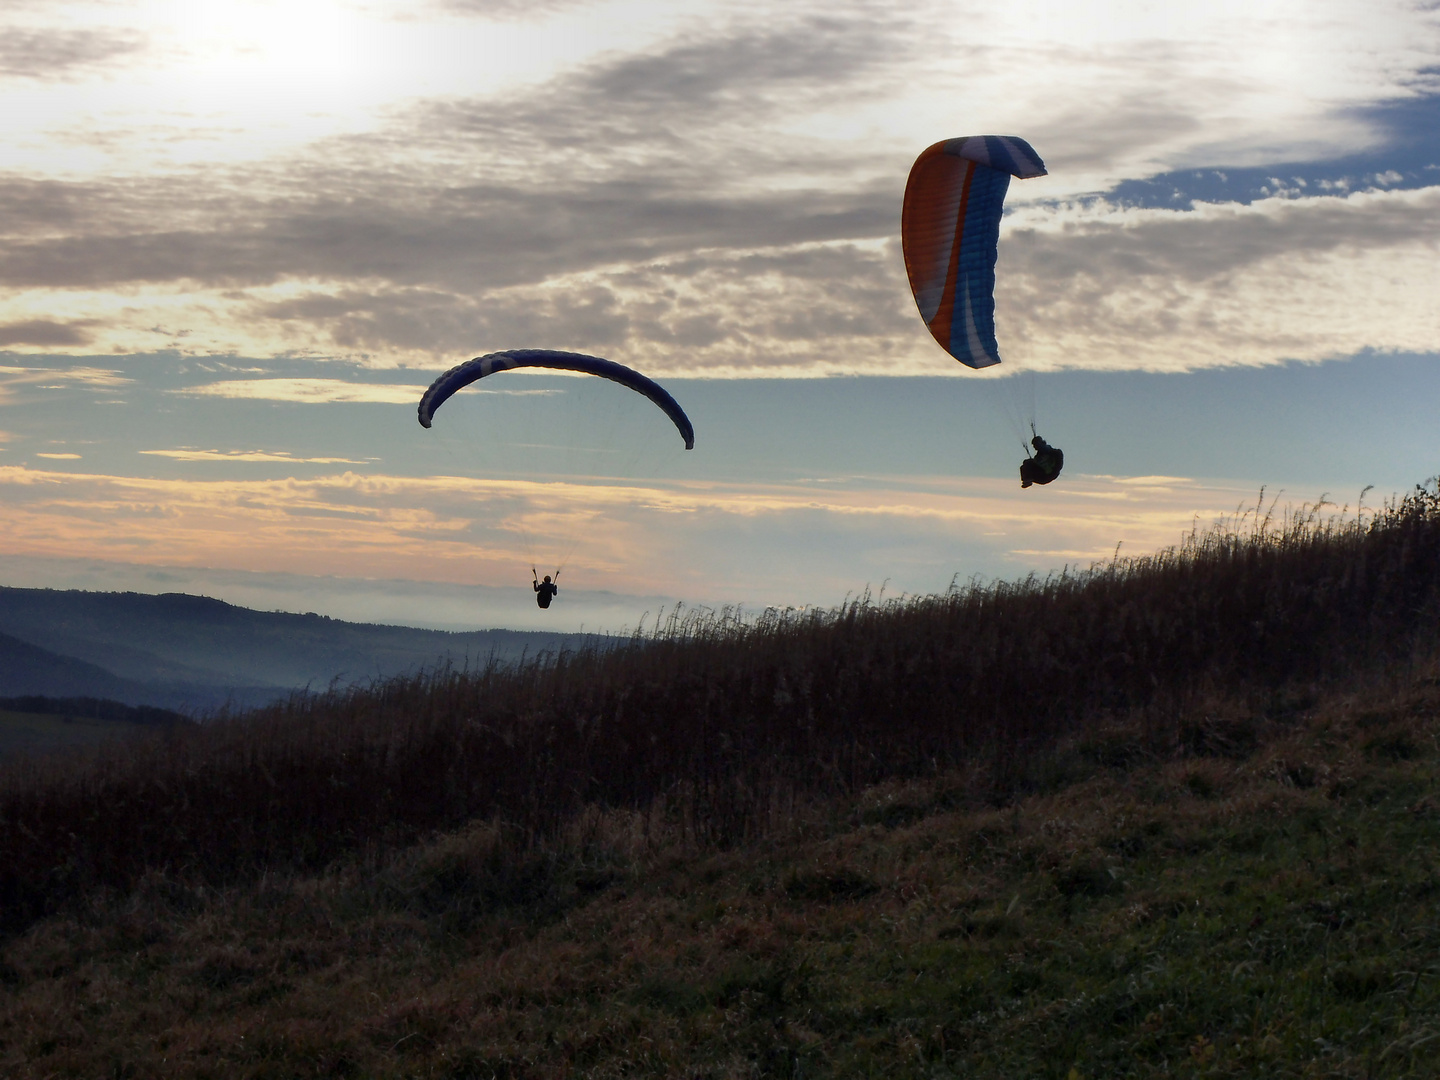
{"x": 176, "y": 650}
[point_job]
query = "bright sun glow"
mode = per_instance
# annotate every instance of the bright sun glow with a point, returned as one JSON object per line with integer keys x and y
{"x": 217, "y": 81}
{"x": 312, "y": 42}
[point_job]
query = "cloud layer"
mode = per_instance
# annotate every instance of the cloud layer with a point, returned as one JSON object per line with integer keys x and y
{"x": 695, "y": 536}
{"x": 51, "y": 54}
{"x": 722, "y": 198}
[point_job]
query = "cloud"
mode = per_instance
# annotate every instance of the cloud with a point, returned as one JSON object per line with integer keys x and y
{"x": 306, "y": 391}
{"x": 52, "y": 54}
{"x": 271, "y": 456}
{"x": 46, "y": 332}
{"x": 1088, "y": 285}
{"x": 1150, "y": 481}
{"x": 710, "y": 541}
{"x": 1213, "y": 240}
{"x": 777, "y": 67}
{"x": 635, "y": 156}
{"x": 1296, "y": 278}
{"x": 725, "y": 201}
{"x": 79, "y": 375}
{"x": 509, "y": 9}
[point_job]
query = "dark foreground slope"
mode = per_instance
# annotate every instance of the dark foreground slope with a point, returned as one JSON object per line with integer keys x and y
{"x": 1260, "y": 901}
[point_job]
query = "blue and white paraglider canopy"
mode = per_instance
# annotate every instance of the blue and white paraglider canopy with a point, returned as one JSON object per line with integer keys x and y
{"x": 461, "y": 376}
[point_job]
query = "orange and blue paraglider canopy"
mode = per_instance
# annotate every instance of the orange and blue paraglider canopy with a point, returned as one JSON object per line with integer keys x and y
{"x": 950, "y": 233}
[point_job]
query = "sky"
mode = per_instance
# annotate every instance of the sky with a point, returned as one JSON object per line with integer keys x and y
{"x": 239, "y": 238}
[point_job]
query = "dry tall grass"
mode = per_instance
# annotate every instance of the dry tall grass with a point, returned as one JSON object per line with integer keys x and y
{"x": 718, "y": 723}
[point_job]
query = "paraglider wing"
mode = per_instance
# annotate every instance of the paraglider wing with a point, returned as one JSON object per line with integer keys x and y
{"x": 473, "y": 370}
{"x": 950, "y": 233}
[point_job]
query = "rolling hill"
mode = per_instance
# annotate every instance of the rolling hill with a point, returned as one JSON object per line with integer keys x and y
{"x": 196, "y": 653}
{"x": 28, "y": 670}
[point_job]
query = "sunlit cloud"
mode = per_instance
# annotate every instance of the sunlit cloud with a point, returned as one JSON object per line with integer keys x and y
{"x": 1150, "y": 481}
{"x": 1101, "y": 287}
{"x": 249, "y": 455}
{"x": 1304, "y": 279}
{"x": 14, "y": 379}
{"x": 59, "y": 457}
{"x": 1051, "y": 554}
{"x": 98, "y": 378}
{"x": 307, "y": 391}
{"x": 479, "y": 531}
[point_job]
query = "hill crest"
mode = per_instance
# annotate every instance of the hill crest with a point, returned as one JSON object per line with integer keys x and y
{"x": 179, "y": 650}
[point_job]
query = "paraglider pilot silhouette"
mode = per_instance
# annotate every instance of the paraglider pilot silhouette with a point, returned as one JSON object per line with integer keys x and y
{"x": 1044, "y": 465}
{"x": 545, "y": 590}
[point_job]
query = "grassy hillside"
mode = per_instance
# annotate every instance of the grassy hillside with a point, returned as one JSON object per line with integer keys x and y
{"x": 1260, "y": 905}
{"x": 1173, "y": 814}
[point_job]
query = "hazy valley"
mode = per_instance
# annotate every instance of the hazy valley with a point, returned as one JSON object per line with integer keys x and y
{"x": 198, "y": 654}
